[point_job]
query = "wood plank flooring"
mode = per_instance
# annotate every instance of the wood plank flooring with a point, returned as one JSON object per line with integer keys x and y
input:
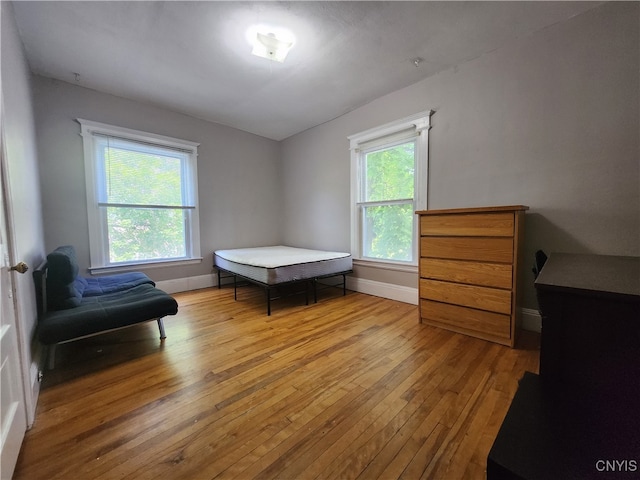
{"x": 352, "y": 387}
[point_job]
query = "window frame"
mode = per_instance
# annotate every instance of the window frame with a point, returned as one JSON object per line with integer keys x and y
{"x": 91, "y": 132}
{"x": 415, "y": 127}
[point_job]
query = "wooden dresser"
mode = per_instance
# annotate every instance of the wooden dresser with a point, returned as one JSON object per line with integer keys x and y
{"x": 468, "y": 270}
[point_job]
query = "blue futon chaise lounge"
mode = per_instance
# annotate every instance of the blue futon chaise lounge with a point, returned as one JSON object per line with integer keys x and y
{"x": 71, "y": 306}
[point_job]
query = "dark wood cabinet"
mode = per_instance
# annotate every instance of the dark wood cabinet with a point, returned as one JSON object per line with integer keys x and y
{"x": 580, "y": 418}
{"x": 590, "y": 307}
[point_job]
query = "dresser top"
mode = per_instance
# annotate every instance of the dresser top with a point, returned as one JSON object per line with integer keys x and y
{"x": 604, "y": 275}
{"x": 505, "y": 208}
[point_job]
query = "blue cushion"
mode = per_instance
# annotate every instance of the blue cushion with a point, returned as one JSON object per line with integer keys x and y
{"x": 114, "y": 283}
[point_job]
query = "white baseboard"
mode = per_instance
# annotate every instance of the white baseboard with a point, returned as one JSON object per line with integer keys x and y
{"x": 531, "y": 320}
{"x": 370, "y": 287}
{"x": 35, "y": 376}
{"x": 189, "y": 283}
{"x": 385, "y": 290}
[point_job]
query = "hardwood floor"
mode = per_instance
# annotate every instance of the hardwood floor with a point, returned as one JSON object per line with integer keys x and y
{"x": 350, "y": 387}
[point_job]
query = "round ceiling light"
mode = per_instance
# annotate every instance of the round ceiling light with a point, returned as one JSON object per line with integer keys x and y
{"x": 270, "y": 42}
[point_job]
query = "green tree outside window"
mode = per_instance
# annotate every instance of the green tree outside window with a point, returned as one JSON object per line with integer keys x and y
{"x": 388, "y": 202}
{"x": 141, "y": 188}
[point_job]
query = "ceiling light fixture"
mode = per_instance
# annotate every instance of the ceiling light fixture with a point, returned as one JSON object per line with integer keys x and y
{"x": 270, "y": 43}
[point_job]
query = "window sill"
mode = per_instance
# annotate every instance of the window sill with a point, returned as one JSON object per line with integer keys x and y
{"x": 145, "y": 265}
{"x": 392, "y": 266}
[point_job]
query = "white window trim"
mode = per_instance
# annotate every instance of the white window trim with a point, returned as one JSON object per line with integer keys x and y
{"x": 99, "y": 262}
{"x": 417, "y": 126}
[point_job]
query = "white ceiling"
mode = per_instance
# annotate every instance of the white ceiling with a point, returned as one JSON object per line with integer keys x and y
{"x": 193, "y": 57}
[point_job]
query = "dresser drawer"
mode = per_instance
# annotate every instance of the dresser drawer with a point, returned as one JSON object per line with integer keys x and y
{"x": 482, "y": 249}
{"x": 483, "y": 298}
{"x": 466, "y": 320}
{"x": 477, "y": 225}
{"x": 496, "y": 275}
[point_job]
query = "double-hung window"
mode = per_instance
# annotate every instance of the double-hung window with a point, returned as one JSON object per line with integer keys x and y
{"x": 388, "y": 184}
{"x": 141, "y": 197}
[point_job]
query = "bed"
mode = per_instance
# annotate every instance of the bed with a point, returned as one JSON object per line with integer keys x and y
{"x": 273, "y": 267}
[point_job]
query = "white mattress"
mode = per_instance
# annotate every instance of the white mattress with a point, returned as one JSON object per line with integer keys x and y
{"x": 279, "y": 264}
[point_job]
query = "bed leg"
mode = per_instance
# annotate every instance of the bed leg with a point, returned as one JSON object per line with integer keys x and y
{"x": 161, "y": 328}
{"x": 235, "y": 287}
{"x": 344, "y": 284}
{"x": 268, "y": 301}
{"x": 219, "y": 280}
{"x": 306, "y": 292}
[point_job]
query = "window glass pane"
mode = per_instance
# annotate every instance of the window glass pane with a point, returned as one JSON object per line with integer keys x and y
{"x": 388, "y": 232}
{"x": 389, "y": 173}
{"x": 145, "y": 233}
{"x": 137, "y": 177}
{"x": 142, "y": 196}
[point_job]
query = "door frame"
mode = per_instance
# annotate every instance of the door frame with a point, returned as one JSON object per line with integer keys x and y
{"x": 15, "y": 430}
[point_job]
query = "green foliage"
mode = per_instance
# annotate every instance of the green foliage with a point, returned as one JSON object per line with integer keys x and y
{"x": 143, "y": 178}
{"x": 137, "y": 178}
{"x": 390, "y": 173}
{"x": 145, "y": 234}
{"x": 389, "y": 232}
{"x": 388, "y": 228}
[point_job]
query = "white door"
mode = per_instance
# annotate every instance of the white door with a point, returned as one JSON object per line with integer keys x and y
{"x": 13, "y": 422}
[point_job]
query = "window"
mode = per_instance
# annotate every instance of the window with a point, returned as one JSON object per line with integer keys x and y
{"x": 388, "y": 184}
{"x": 141, "y": 197}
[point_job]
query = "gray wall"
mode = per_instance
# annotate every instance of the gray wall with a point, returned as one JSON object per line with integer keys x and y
{"x": 23, "y": 192}
{"x": 550, "y": 121}
{"x": 238, "y": 182}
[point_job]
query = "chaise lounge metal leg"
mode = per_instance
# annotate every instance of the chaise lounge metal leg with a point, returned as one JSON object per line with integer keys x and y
{"x": 51, "y": 356}
{"x": 161, "y": 328}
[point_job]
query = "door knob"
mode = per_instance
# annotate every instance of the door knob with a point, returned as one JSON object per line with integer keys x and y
{"x": 20, "y": 267}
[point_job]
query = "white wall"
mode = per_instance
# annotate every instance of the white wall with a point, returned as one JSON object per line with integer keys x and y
{"x": 24, "y": 192}
{"x": 550, "y": 121}
{"x": 238, "y": 182}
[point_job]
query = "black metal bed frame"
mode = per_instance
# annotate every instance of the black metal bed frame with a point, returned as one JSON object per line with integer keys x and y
{"x": 314, "y": 281}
